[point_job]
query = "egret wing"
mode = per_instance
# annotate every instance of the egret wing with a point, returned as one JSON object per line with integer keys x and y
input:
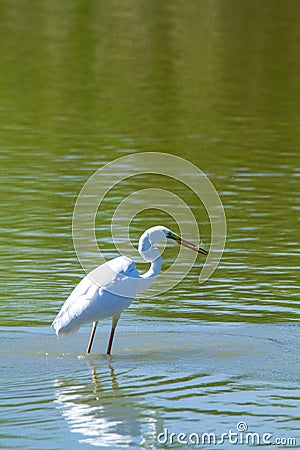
{"x": 93, "y": 298}
{"x": 77, "y": 302}
{"x": 118, "y": 276}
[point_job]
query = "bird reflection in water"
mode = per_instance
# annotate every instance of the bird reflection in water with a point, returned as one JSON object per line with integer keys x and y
{"x": 105, "y": 414}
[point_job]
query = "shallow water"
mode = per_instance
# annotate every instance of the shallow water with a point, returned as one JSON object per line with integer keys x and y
{"x": 83, "y": 84}
{"x": 205, "y": 377}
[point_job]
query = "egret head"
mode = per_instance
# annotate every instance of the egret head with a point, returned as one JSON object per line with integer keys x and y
{"x": 161, "y": 234}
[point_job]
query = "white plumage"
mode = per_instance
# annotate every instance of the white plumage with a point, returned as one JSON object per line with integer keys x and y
{"x": 111, "y": 287}
{"x": 89, "y": 301}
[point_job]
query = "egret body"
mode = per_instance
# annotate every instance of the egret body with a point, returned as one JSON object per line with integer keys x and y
{"x": 111, "y": 288}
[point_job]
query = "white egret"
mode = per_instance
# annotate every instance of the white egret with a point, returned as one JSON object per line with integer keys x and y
{"x": 111, "y": 288}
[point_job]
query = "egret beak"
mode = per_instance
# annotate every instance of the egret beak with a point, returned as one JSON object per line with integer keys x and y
{"x": 187, "y": 244}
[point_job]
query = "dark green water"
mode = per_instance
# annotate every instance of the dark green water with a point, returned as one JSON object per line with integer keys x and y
{"x": 84, "y": 83}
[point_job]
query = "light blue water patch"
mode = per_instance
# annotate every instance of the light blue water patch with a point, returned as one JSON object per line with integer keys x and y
{"x": 196, "y": 379}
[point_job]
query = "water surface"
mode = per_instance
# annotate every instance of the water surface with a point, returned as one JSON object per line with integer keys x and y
{"x": 85, "y": 83}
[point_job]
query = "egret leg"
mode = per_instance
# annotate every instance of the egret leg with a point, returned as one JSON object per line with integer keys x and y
{"x": 92, "y": 336}
{"x": 115, "y": 320}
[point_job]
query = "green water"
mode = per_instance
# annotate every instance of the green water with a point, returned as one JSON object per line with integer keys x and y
{"x": 84, "y": 83}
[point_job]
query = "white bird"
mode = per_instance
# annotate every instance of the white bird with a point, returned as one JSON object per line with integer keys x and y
{"x": 111, "y": 287}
